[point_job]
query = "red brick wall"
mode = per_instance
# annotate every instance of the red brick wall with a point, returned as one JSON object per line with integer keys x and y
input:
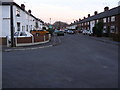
{"x": 47, "y": 37}
{"x": 3, "y": 41}
{"x": 22, "y": 40}
{"x": 39, "y": 38}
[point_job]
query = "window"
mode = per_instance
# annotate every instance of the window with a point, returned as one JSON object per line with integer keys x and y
{"x": 108, "y": 19}
{"x": 18, "y": 26}
{"x": 104, "y": 20}
{"x": 112, "y": 29}
{"x": 97, "y": 21}
{"x": 18, "y": 12}
{"x": 104, "y": 29}
{"x": 112, "y": 18}
{"x": 88, "y": 23}
{"x": 23, "y": 28}
{"x": 26, "y": 27}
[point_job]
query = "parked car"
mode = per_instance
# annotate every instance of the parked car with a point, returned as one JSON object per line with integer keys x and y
{"x": 66, "y": 30}
{"x": 56, "y": 31}
{"x": 89, "y": 32}
{"x": 84, "y": 32}
{"x": 20, "y": 34}
{"x": 70, "y": 32}
{"x": 60, "y": 33}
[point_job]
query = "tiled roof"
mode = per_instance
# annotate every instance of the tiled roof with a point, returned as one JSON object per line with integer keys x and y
{"x": 111, "y": 12}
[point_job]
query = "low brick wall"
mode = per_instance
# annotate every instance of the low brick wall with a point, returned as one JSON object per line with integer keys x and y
{"x": 3, "y": 41}
{"x": 47, "y": 37}
{"x": 38, "y": 38}
{"x": 116, "y": 37}
{"x": 22, "y": 40}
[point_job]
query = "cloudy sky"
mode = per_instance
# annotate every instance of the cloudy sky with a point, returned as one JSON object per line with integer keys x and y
{"x": 65, "y": 10}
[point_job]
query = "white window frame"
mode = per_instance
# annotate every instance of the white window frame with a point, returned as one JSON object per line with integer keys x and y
{"x": 112, "y": 29}
{"x": 113, "y": 19}
{"x": 104, "y": 20}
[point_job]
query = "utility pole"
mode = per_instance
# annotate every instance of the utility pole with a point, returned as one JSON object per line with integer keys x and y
{"x": 50, "y": 21}
{"x": 12, "y": 26}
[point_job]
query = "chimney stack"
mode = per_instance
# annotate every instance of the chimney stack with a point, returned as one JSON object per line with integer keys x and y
{"x": 84, "y": 17}
{"x": 29, "y": 11}
{"x": 79, "y": 19}
{"x": 23, "y": 6}
{"x": 88, "y": 15}
{"x": 106, "y": 8}
{"x": 95, "y": 13}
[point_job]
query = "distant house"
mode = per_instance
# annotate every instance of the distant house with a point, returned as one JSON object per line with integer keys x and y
{"x": 15, "y": 17}
{"x": 109, "y": 17}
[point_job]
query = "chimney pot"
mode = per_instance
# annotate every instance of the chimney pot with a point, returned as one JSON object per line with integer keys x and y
{"x": 29, "y": 11}
{"x": 106, "y": 8}
{"x": 95, "y": 12}
{"x": 23, "y": 6}
{"x": 88, "y": 15}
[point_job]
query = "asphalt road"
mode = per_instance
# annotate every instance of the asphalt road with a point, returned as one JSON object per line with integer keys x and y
{"x": 78, "y": 62}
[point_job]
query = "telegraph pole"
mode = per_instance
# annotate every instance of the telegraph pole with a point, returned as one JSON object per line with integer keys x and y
{"x": 12, "y": 26}
{"x": 50, "y": 21}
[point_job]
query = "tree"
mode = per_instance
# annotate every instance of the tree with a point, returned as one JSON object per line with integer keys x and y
{"x": 98, "y": 29}
{"x": 60, "y": 24}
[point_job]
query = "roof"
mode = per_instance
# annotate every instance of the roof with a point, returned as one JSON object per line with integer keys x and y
{"x": 111, "y": 12}
{"x": 13, "y": 3}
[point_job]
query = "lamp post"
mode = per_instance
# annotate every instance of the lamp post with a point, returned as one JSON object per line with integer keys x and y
{"x": 50, "y": 20}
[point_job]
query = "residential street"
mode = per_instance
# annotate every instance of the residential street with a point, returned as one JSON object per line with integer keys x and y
{"x": 78, "y": 62}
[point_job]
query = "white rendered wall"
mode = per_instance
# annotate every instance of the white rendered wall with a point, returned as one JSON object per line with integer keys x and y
{"x": 5, "y": 20}
{"x": 7, "y": 0}
{"x": 92, "y": 24}
{"x": 0, "y": 19}
{"x": 0, "y": 47}
{"x": 24, "y": 20}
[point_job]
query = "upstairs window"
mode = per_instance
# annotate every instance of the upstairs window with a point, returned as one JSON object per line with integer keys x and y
{"x": 112, "y": 18}
{"x": 18, "y": 12}
{"x": 104, "y": 20}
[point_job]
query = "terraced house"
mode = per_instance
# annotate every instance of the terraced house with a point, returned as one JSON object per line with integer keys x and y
{"x": 15, "y": 18}
{"x": 109, "y": 17}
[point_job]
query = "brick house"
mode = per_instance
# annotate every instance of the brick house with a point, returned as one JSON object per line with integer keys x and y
{"x": 110, "y": 18}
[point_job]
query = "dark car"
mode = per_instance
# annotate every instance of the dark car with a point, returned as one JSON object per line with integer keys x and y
{"x": 60, "y": 33}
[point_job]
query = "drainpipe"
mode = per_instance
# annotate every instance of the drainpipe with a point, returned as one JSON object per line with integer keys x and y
{"x": 12, "y": 25}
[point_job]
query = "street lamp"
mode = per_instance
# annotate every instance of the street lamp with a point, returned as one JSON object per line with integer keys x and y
{"x": 50, "y": 20}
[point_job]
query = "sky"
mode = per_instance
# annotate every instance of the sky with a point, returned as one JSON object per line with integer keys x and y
{"x": 65, "y": 10}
